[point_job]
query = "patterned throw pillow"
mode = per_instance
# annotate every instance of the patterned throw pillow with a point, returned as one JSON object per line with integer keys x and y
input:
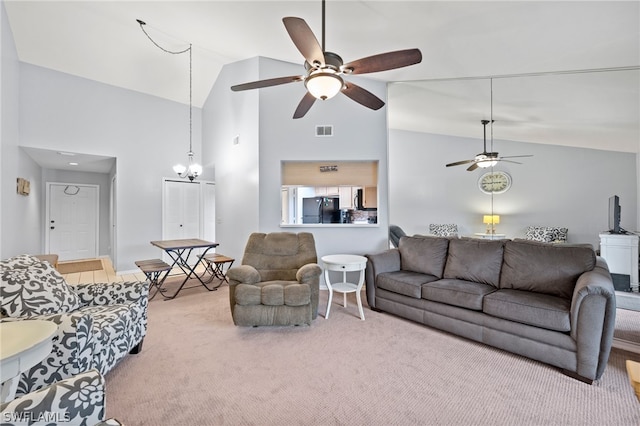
{"x": 31, "y": 287}
{"x": 546, "y": 234}
{"x": 444, "y": 230}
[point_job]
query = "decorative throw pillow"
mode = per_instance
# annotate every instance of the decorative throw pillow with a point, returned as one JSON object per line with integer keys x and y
{"x": 444, "y": 230}
{"x": 537, "y": 233}
{"x": 546, "y": 234}
{"x": 33, "y": 287}
{"x": 557, "y": 234}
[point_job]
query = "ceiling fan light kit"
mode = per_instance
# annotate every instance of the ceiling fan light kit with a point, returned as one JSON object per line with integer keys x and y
{"x": 324, "y": 85}
{"x": 324, "y": 70}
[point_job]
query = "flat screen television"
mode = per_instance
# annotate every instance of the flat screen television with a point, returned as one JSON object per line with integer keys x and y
{"x": 614, "y": 215}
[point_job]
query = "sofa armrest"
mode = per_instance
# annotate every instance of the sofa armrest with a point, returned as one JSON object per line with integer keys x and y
{"x": 76, "y": 400}
{"x": 387, "y": 261}
{"x": 72, "y": 351}
{"x": 593, "y": 316}
{"x": 112, "y": 293}
{"x": 308, "y": 273}
{"x": 243, "y": 274}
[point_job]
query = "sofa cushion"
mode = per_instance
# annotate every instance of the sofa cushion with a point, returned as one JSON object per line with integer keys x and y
{"x": 473, "y": 259}
{"x": 31, "y": 287}
{"x": 525, "y": 307}
{"x": 544, "y": 268}
{"x": 423, "y": 254}
{"x": 454, "y": 292}
{"x": 406, "y": 283}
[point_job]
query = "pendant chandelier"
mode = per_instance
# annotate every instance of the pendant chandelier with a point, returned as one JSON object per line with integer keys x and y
{"x": 192, "y": 170}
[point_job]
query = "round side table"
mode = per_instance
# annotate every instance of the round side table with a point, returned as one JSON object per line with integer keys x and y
{"x": 23, "y": 344}
{"x": 344, "y": 263}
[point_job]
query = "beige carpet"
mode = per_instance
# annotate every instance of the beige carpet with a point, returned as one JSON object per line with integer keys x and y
{"x": 197, "y": 368}
{"x": 74, "y": 266}
{"x": 628, "y": 325}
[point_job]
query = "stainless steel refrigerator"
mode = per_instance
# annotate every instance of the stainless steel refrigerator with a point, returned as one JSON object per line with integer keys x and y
{"x": 321, "y": 210}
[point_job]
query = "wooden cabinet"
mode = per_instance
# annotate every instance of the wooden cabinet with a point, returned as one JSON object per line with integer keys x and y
{"x": 370, "y": 197}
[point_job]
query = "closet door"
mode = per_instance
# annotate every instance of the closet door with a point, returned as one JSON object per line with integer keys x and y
{"x": 181, "y": 210}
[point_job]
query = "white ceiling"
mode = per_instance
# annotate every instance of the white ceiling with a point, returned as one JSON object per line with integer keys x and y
{"x": 461, "y": 42}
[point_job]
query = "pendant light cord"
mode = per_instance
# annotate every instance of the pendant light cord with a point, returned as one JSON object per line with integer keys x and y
{"x": 491, "y": 112}
{"x": 178, "y": 52}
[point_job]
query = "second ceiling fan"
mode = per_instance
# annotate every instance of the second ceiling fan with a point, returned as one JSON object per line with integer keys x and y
{"x": 325, "y": 70}
{"x": 485, "y": 158}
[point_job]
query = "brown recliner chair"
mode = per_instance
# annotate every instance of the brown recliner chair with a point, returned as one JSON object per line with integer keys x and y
{"x": 278, "y": 282}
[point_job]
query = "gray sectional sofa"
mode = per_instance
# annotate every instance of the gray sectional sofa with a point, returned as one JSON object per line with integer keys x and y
{"x": 551, "y": 303}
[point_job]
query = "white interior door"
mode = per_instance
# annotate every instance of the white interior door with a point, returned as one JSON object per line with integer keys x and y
{"x": 208, "y": 211}
{"x": 72, "y": 226}
{"x": 181, "y": 212}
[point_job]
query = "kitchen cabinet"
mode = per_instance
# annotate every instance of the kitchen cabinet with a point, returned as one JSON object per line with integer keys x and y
{"x": 326, "y": 191}
{"x": 346, "y": 197}
{"x": 370, "y": 197}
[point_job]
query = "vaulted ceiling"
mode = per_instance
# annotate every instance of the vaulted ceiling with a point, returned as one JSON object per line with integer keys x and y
{"x": 566, "y": 73}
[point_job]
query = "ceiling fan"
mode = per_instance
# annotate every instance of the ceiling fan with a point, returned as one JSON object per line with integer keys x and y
{"x": 486, "y": 159}
{"x": 325, "y": 70}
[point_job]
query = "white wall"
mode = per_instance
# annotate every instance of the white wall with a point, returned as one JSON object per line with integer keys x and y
{"x": 147, "y": 135}
{"x": 558, "y": 186}
{"x": 248, "y": 174}
{"x": 226, "y": 115}
{"x": 20, "y": 216}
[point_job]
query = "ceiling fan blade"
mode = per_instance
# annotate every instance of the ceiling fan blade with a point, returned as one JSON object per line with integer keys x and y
{"x": 305, "y": 41}
{"x": 266, "y": 83}
{"x": 459, "y": 163}
{"x": 362, "y": 96}
{"x": 384, "y": 61}
{"x": 305, "y": 104}
{"x": 517, "y": 156}
{"x": 472, "y": 167}
{"x": 509, "y": 161}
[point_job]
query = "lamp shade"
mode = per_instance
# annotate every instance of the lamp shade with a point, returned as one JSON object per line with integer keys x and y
{"x": 324, "y": 85}
{"x": 491, "y": 219}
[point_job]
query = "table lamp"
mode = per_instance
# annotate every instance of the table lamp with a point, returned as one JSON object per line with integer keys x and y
{"x": 491, "y": 220}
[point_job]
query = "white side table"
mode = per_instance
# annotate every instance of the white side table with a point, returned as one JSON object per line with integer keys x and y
{"x": 23, "y": 344}
{"x": 489, "y": 236}
{"x": 344, "y": 263}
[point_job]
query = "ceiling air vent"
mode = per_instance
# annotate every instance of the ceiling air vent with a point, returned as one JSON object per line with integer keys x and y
{"x": 324, "y": 130}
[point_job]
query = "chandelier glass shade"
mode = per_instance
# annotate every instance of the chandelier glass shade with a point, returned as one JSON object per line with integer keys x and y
{"x": 192, "y": 171}
{"x": 324, "y": 85}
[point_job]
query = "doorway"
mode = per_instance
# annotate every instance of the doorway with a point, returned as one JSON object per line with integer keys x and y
{"x": 72, "y": 220}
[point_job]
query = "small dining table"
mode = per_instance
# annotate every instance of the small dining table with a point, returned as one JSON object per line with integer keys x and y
{"x": 180, "y": 251}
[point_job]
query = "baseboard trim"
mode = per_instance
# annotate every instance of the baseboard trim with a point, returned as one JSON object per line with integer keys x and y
{"x": 626, "y": 345}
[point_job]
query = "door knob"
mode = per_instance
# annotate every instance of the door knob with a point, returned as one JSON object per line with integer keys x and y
{"x": 53, "y": 227}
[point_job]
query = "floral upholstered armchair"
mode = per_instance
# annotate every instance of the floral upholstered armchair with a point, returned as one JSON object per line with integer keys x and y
{"x": 98, "y": 324}
{"x": 278, "y": 282}
{"x": 79, "y": 400}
